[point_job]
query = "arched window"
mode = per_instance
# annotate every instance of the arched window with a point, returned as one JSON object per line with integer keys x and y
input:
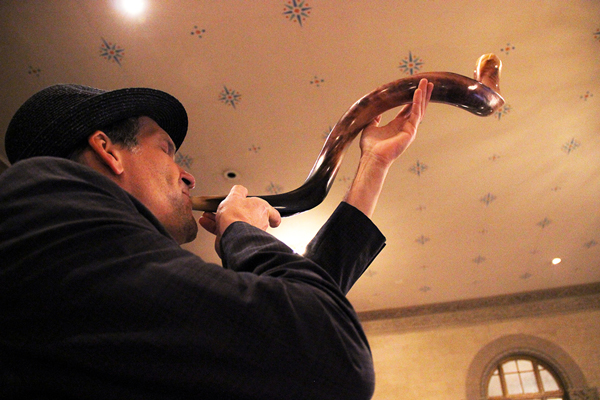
{"x": 525, "y": 367}
{"x": 524, "y": 377}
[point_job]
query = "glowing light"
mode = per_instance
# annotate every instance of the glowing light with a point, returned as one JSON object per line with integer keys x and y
{"x": 556, "y": 261}
{"x": 133, "y": 7}
{"x": 297, "y": 240}
{"x": 298, "y": 232}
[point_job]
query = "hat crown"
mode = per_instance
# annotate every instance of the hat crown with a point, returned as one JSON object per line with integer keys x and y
{"x": 56, "y": 119}
{"x": 40, "y": 111}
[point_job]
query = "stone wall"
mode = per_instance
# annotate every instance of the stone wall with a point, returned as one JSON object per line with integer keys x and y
{"x": 445, "y": 351}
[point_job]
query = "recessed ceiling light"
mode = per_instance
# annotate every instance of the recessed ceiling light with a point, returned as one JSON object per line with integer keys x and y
{"x": 231, "y": 175}
{"x": 133, "y": 7}
{"x": 556, "y": 261}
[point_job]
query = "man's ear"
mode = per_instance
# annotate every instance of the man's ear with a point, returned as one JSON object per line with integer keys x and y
{"x": 107, "y": 152}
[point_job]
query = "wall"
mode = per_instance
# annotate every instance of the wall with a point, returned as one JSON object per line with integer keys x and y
{"x": 427, "y": 353}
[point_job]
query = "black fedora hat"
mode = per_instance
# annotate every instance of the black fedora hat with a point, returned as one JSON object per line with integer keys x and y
{"x": 58, "y": 118}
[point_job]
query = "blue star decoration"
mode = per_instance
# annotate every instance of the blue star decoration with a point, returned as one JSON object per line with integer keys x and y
{"x": 422, "y": 239}
{"x": 326, "y": 133}
{"x": 507, "y": 49}
{"x": 183, "y": 160}
{"x": 418, "y": 168}
{"x": 316, "y": 81}
{"x": 411, "y": 64}
{"x": 487, "y": 199}
{"x": 34, "y": 71}
{"x": 274, "y": 188}
{"x": 570, "y": 146}
{"x": 296, "y": 11}
{"x": 544, "y": 223}
{"x": 111, "y": 52}
{"x": 502, "y": 111}
{"x": 425, "y": 289}
{"x": 229, "y": 97}
{"x": 197, "y": 32}
{"x": 479, "y": 259}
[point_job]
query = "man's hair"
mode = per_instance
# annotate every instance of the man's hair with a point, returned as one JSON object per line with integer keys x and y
{"x": 123, "y": 132}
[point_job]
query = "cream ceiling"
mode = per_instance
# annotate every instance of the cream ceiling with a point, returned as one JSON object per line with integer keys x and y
{"x": 476, "y": 207}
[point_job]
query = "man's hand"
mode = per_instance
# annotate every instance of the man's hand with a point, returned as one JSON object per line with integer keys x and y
{"x": 386, "y": 143}
{"x": 381, "y": 146}
{"x": 238, "y": 207}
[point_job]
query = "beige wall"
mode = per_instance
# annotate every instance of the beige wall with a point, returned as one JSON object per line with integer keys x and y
{"x": 432, "y": 362}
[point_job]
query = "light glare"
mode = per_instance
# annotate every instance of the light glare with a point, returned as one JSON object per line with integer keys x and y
{"x": 556, "y": 261}
{"x": 133, "y": 7}
{"x": 297, "y": 233}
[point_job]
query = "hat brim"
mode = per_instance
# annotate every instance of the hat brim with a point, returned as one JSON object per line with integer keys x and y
{"x": 70, "y": 128}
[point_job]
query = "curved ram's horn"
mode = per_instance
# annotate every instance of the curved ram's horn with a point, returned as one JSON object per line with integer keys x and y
{"x": 479, "y": 96}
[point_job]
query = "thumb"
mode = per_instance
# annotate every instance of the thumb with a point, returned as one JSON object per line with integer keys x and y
{"x": 274, "y": 218}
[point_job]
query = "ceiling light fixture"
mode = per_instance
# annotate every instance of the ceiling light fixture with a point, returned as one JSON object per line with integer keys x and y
{"x": 133, "y": 7}
{"x": 231, "y": 175}
{"x": 556, "y": 261}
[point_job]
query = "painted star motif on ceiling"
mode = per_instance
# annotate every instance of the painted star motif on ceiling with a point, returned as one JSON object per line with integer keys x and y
{"x": 544, "y": 223}
{"x": 418, "y": 168}
{"x": 111, "y": 51}
{"x": 229, "y": 97}
{"x": 197, "y": 32}
{"x": 183, "y": 160}
{"x": 411, "y": 64}
{"x": 502, "y": 111}
{"x": 34, "y": 71}
{"x": 274, "y": 188}
{"x": 487, "y": 199}
{"x": 570, "y": 146}
{"x": 296, "y": 11}
{"x": 422, "y": 239}
{"x": 507, "y": 49}
{"x": 586, "y": 96}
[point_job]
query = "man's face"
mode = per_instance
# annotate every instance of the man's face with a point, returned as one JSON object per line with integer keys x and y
{"x": 153, "y": 177}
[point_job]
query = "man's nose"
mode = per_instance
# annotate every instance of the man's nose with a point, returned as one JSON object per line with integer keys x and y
{"x": 188, "y": 179}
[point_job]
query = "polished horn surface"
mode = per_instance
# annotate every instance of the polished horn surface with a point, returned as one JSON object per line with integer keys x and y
{"x": 479, "y": 96}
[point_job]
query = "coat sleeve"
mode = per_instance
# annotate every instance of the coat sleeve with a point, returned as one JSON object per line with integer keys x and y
{"x": 309, "y": 314}
{"x": 306, "y": 294}
{"x": 346, "y": 245}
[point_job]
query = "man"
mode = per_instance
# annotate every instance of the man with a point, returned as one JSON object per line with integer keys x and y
{"x": 98, "y": 299}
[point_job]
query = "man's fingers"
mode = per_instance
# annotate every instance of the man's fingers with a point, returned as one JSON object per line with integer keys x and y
{"x": 421, "y": 99}
{"x": 208, "y": 222}
{"x": 427, "y": 90}
{"x": 238, "y": 191}
{"x": 274, "y": 217}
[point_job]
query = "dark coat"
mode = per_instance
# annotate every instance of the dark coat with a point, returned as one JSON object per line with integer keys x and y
{"x": 97, "y": 301}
